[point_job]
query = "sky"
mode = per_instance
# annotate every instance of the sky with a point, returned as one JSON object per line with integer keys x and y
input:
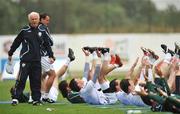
{"x": 162, "y": 4}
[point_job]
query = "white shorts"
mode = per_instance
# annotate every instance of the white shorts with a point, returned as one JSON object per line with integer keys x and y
{"x": 112, "y": 98}
{"x": 45, "y": 64}
{"x": 91, "y": 95}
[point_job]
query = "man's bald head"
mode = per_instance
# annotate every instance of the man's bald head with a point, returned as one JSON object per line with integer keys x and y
{"x": 33, "y": 18}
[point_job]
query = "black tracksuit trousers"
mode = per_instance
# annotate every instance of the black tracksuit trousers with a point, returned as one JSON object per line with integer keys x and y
{"x": 33, "y": 70}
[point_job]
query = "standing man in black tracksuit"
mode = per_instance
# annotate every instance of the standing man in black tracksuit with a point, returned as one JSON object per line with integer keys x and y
{"x": 32, "y": 37}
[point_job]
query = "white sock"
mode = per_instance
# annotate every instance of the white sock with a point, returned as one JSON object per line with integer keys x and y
{"x": 116, "y": 65}
{"x": 67, "y": 61}
{"x": 146, "y": 57}
{"x": 94, "y": 55}
{"x": 44, "y": 94}
{"x": 106, "y": 56}
{"x": 152, "y": 60}
{"x": 142, "y": 74}
{"x": 30, "y": 98}
{"x": 150, "y": 75}
{"x": 167, "y": 58}
{"x": 87, "y": 59}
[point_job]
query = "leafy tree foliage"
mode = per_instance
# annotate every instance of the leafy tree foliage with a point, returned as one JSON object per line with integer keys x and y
{"x": 91, "y": 16}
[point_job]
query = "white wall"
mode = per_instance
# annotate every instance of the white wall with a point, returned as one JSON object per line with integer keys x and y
{"x": 127, "y": 45}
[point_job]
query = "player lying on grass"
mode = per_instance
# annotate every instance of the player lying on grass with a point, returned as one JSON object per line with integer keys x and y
{"x": 125, "y": 88}
{"x": 87, "y": 88}
{"x": 156, "y": 95}
{"x": 164, "y": 66}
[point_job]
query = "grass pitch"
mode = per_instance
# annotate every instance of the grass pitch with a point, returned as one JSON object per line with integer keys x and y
{"x": 63, "y": 106}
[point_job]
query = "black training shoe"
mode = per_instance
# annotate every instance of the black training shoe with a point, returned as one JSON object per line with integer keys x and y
{"x": 92, "y": 49}
{"x": 104, "y": 50}
{"x": 14, "y": 102}
{"x": 50, "y": 101}
{"x": 157, "y": 108}
{"x": 177, "y": 48}
{"x": 145, "y": 51}
{"x": 37, "y": 103}
{"x": 44, "y": 100}
{"x": 164, "y": 47}
{"x": 86, "y": 48}
{"x": 171, "y": 52}
{"x": 71, "y": 55}
{"x": 47, "y": 100}
{"x": 166, "y": 50}
{"x": 156, "y": 57}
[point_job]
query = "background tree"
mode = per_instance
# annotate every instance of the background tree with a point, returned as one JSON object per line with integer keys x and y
{"x": 91, "y": 16}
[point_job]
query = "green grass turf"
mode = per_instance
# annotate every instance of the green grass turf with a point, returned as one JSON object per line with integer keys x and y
{"x": 70, "y": 109}
{"x": 63, "y": 106}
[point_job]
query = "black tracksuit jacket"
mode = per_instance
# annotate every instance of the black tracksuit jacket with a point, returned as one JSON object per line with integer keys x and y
{"x": 32, "y": 39}
{"x": 43, "y": 49}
